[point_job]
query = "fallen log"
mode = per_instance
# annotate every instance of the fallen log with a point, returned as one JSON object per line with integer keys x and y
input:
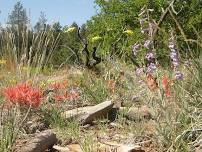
{"x": 40, "y": 142}
{"x": 86, "y": 115}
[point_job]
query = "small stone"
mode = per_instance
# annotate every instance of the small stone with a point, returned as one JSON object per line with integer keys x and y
{"x": 136, "y": 114}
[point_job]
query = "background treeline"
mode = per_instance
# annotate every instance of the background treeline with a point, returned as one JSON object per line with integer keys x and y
{"x": 35, "y": 44}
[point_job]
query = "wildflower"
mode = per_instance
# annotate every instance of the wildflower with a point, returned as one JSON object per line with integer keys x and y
{"x": 58, "y": 98}
{"x": 73, "y": 95}
{"x": 96, "y": 39}
{"x": 58, "y": 85}
{"x": 165, "y": 86}
{"x": 128, "y": 32}
{"x": 2, "y": 61}
{"x": 147, "y": 43}
{"x": 149, "y": 56}
{"x": 23, "y": 95}
{"x": 151, "y": 82}
{"x": 171, "y": 45}
{"x": 70, "y": 30}
{"x": 66, "y": 95}
{"x": 178, "y": 75}
{"x": 174, "y": 58}
{"x": 139, "y": 71}
{"x": 136, "y": 48}
{"x": 151, "y": 68}
{"x": 111, "y": 85}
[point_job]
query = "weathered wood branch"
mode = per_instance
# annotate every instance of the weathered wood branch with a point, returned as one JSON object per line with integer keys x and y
{"x": 40, "y": 142}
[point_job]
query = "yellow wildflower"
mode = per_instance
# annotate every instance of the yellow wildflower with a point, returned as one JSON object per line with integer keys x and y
{"x": 2, "y": 61}
{"x": 128, "y": 32}
{"x": 70, "y": 30}
{"x": 96, "y": 39}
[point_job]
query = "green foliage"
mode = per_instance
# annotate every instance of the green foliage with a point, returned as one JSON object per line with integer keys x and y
{"x": 116, "y": 16}
{"x": 94, "y": 89}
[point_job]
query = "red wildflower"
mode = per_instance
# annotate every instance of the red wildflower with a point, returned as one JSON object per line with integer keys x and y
{"x": 58, "y": 98}
{"x": 23, "y": 95}
{"x": 151, "y": 82}
{"x": 111, "y": 85}
{"x": 66, "y": 95}
{"x": 58, "y": 85}
{"x": 165, "y": 86}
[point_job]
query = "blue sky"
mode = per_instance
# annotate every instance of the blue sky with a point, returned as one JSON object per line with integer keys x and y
{"x": 64, "y": 11}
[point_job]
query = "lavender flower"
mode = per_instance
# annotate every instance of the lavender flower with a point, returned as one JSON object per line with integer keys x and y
{"x": 151, "y": 68}
{"x": 149, "y": 56}
{"x": 174, "y": 58}
{"x": 139, "y": 71}
{"x": 178, "y": 75}
{"x": 136, "y": 48}
{"x": 146, "y": 44}
{"x": 171, "y": 45}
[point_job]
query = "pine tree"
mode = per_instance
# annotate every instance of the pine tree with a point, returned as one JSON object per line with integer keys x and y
{"x": 18, "y": 16}
{"x": 41, "y": 24}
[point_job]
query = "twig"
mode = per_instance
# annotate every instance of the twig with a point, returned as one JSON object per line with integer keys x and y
{"x": 162, "y": 18}
{"x": 182, "y": 31}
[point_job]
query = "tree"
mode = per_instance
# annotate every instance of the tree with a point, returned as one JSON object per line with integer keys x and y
{"x": 18, "y": 16}
{"x": 57, "y": 27}
{"x": 116, "y": 16}
{"x": 41, "y": 24}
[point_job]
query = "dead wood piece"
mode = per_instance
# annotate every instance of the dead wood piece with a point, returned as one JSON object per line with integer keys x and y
{"x": 40, "y": 142}
{"x": 112, "y": 146}
{"x": 86, "y": 115}
{"x": 100, "y": 110}
{"x": 76, "y": 113}
{"x": 68, "y": 148}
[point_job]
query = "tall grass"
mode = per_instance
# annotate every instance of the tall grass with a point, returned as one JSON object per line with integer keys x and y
{"x": 26, "y": 53}
{"x": 24, "y": 49}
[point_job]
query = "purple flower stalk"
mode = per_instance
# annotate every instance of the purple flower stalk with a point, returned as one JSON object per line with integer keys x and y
{"x": 173, "y": 54}
{"x": 178, "y": 75}
{"x": 147, "y": 29}
{"x": 146, "y": 44}
{"x": 149, "y": 56}
{"x": 174, "y": 58}
{"x": 151, "y": 68}
{"x": 136, "y": 48}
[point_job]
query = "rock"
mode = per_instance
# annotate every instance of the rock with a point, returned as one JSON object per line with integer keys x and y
{"x": 40, "y": 142}
{"x": 86, "y": 115}
{"x": 136, "y": 114}
{"x": 32, "y": 127}
{"x": 68, "y": 148}
{"x": 134, "y": 101}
